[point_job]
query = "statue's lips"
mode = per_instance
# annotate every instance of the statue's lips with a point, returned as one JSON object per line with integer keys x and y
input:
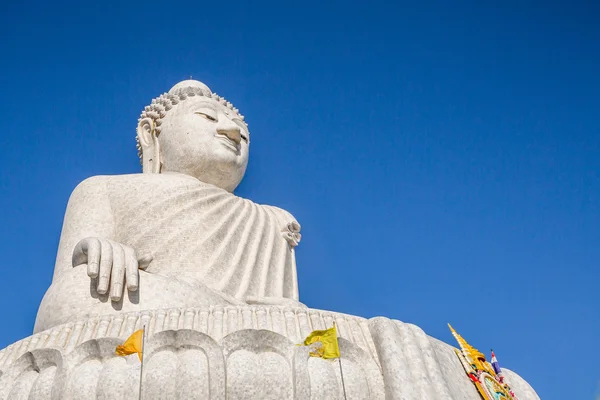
{"x": 228, "y": 142}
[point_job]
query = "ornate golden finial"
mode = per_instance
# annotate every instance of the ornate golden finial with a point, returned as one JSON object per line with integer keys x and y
{"x": 480, "y": 372}
{"x": 473, "y": 355}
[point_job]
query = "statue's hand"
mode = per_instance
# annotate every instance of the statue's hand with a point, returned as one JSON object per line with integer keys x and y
{"x": 110, "y": 262}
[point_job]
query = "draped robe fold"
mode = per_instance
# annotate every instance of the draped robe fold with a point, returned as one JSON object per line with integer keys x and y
{"x": 196, "y": 230}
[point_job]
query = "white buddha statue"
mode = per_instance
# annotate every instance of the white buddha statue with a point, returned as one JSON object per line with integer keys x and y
{"x": 174, "y": 235}
{"x": 211, "y": 278}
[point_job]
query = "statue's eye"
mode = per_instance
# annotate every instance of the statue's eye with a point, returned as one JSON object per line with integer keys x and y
{"x": 240, "y": 123}
{"x": 244, "y": 137}
{"x": 208, "y": 114}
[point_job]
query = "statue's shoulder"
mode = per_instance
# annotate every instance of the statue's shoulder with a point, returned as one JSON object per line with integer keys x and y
{"x": 100, "y": 186}
{"x": 94, "y": 185}
{"x": 290, "y": 227}
{"x": 99, "y": 183}
{"x": 105, "y": 183}
{"x": 281, "y": 214}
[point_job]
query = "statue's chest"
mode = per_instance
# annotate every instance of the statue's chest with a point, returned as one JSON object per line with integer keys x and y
{"x": 180, "y": 218}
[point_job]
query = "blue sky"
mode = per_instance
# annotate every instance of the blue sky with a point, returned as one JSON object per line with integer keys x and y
{"x": 443, "y": 160}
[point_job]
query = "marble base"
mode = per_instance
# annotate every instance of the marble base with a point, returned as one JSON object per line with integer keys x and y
{"x": 238, "y": 352}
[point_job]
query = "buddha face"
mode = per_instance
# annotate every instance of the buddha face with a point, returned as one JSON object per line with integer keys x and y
{"x": 204, "y": 139}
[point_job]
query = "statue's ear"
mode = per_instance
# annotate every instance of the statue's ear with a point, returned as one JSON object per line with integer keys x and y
{"x": 146, "y": 133}
{"x": 145, "y": 130}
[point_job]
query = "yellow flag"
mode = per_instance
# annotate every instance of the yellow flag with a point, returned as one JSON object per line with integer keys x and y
{"x": 329, "y": 344}
{"x": 132, "y": 345}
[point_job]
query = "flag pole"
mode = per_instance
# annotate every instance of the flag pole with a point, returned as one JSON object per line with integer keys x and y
{"x": 341, "y": 371}
{"x": 342, "y": 375}
{"x": 142, "y": 360}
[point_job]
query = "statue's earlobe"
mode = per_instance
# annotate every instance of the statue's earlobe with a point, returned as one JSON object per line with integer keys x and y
{"x": 146, "y": 133}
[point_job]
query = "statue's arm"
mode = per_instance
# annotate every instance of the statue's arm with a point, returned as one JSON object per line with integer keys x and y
{"x": 88, "y": 241}
{"x": 88, "y": 214}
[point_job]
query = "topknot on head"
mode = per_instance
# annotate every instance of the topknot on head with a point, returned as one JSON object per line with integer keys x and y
{"x": 190, "y": 83}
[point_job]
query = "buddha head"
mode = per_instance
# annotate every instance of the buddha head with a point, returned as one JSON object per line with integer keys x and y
{"x": 192, "y": 131}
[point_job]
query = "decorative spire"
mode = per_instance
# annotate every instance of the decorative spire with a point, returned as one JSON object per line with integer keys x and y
{"x": 484, "y": 375}
{"x": 468, "y": 350}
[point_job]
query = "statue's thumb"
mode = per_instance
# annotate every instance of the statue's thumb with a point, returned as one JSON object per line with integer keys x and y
{"x": 144, "y": 261}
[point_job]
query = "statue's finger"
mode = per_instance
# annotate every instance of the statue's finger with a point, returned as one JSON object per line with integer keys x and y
{"x": 106, "y": 261}
{"x": 80, "y": 252}
{"x": 93, "y": 257}
{"x": 118, "y": 272}
{"x": 145, "y": 260}
{"x": 131, "y": 269}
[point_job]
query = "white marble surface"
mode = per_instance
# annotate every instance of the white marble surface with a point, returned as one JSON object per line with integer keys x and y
{"x": 195, "y": 132}
{"x": 238, "y": 352}
{"x": 207, "y": 246}
{"x": 174, "y": 235}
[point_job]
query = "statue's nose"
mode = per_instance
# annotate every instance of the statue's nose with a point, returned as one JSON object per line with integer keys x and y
{"x": 227, "y": 127}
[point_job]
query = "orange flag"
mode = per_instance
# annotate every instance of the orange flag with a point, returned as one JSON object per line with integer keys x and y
{"x": 132, "y": 345}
